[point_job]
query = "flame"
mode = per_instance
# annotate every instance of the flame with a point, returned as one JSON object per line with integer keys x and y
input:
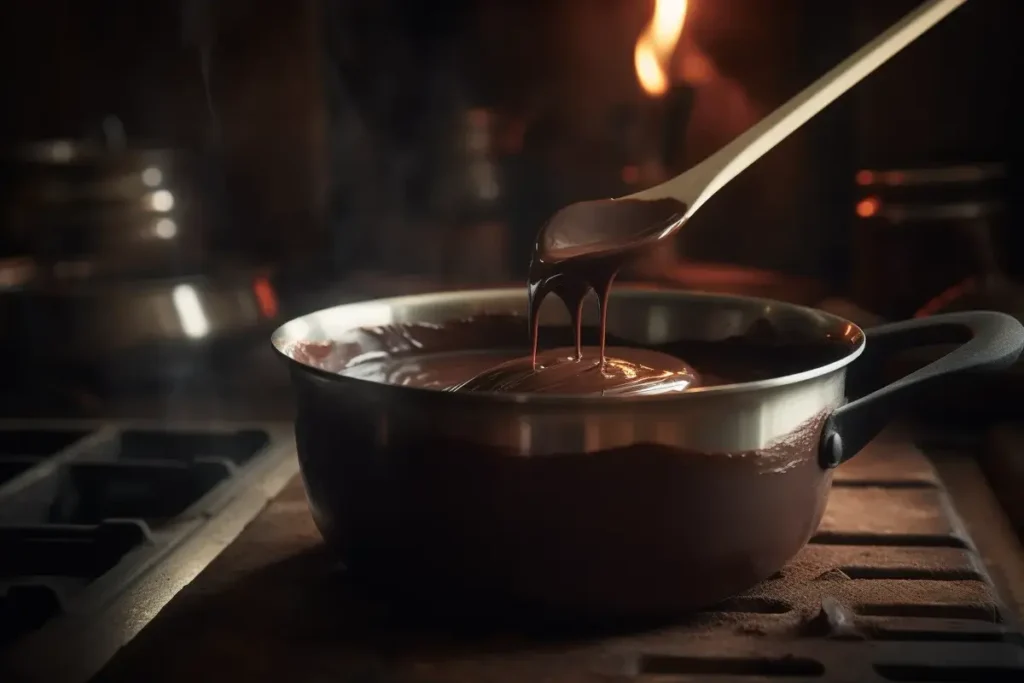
{"x": 656, "y": 44}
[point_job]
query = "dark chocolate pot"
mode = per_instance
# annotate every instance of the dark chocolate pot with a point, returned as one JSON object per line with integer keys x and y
{"x": 586, "y": 505}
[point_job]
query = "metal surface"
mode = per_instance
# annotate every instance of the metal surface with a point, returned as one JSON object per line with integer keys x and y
{"x": 114, "y": 239}
{"x": 105, "y": 522}
{"x": 87, "y": 209}
{"x": 727, "y": 418}
{"x": 100, "y": 321}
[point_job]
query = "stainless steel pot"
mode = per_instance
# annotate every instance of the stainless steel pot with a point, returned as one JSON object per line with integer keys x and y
{"x": 81, "y": 206}
{"x": 101, "y": 323}
{"x": 625, "y": 506}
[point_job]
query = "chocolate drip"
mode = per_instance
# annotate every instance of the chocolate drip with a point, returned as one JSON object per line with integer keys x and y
{"x": 572, "y": 288}
{"x": 584, "y": 246}
{"x": 582, "y": 249}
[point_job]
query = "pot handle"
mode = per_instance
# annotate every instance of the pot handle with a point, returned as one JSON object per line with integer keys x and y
{"x": 987, "y": 341}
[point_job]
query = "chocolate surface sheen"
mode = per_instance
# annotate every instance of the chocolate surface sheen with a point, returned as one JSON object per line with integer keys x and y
{"x": 464, "y": 353}
{"x": 624, "y": 372}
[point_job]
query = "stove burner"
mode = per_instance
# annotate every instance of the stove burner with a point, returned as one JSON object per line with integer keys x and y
{"x": 78, "y": 504}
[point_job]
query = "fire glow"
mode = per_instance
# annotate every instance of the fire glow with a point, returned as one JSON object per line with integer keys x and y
{"x": 657, "y": 43}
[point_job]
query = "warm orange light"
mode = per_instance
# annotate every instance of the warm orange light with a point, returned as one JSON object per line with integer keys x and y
{"x": 266, "y": 297}
{"x": 631, "y": 174}
{"x": 865, "y": 177}
{"x": 866, "y": 208}
{"x": 656, "y": 44}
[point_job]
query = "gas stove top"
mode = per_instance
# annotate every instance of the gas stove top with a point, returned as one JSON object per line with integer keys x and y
{"x": 914, "y": 575}
{"x": 87, "y": 508}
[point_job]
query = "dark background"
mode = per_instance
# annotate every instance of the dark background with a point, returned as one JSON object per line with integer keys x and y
{"x": 275, "y": 117}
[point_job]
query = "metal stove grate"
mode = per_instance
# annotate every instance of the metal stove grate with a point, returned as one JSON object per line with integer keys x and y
{"x": 85, "y": 505}
{"x": 889, "y": 589}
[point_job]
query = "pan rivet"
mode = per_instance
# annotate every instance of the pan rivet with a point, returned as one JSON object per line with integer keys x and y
{"x": 831, "y": 449}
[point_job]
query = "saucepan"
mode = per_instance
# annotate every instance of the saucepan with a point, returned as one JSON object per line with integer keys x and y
{"x": 601, "y": 506}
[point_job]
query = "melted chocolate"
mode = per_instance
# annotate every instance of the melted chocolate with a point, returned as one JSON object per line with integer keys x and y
{"x": 465, "y": 353}
{"x": 563, "y": 371}
{"x": 584, "y": 246}
{"x": 581, "y": 249}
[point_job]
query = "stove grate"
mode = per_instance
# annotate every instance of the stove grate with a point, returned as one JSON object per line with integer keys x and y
{"x": 80, "y": 504}
{"x": 889, "y": 589}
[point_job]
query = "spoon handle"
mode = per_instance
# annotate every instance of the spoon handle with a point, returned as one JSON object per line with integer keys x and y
{"x": 699, "y": 183}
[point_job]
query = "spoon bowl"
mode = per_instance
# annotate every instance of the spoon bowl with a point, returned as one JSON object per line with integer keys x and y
{"x": 594, "y": 228}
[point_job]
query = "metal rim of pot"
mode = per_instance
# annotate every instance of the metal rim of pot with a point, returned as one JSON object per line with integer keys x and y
{"x": 986, "y": 341}
{"x": 286, "y": 334}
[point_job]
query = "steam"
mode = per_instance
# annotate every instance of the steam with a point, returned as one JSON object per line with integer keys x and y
{"x": 198, "y": 32}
